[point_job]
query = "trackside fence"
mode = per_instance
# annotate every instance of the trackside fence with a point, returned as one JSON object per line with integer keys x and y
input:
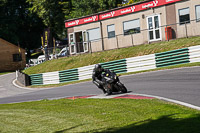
{"x": 173, "y": 57}
{"x": 134, "y": 64}
{"x": 141, "y": 63}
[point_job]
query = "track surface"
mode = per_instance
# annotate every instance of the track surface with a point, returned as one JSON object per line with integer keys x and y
{"x": 178, "y": 84}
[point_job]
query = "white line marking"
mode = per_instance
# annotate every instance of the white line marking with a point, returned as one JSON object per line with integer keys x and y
{"x": 14, "y": 83}
{"x": 5, "y": 75}
{"x": 171, "y": 100}
{"x": 103, "y": 96}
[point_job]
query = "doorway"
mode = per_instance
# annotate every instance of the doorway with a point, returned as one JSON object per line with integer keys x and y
{"x": 154, "y": 30}
{"x": 78, "y": 42}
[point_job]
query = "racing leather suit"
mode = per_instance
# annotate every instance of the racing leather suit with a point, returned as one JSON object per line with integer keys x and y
{"x": 97, "y": 78}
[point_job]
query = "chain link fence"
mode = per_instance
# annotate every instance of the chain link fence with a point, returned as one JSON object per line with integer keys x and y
{"x": 130, "y": 39}
{"x": 152, "y": 34}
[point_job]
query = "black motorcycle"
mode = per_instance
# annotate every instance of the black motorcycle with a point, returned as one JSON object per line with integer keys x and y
{"x": 112, "y": 83}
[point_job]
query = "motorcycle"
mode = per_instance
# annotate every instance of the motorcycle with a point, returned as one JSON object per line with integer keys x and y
{"x": 112, "y": 83}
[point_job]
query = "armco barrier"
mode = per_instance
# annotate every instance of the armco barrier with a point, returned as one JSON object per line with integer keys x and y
{"x": 134, "y": 64}
{"x": 36, "y": 79}
{"x": 194, "y": 53}
{"x": 119, "y": 66}
{"x": 51, "y": 78}
{"x": 85, "y": 72}
{"x": 173, "y": 57}
{"x": 68, "y": 75}
{"x": 141, "y": 63}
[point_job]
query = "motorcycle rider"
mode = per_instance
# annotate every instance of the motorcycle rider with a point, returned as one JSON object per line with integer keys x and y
{"x": 97, "y": 76}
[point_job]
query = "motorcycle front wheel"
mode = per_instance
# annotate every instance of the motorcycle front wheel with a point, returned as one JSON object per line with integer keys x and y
{"x": 122, "y": 87}
{"x": 108, "y": 89}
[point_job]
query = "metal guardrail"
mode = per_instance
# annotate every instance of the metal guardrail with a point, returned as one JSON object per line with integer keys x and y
{"x": 141, "y": 63}
{"x": 68, "y": 75}
{"x": 173, "y": 57}
{"x": 119, "y": 66}
{"x": 36, "y": 79}
{"x": 134, "y": 64}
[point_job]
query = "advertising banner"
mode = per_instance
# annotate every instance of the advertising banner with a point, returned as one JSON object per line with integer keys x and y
{"x": 135, "y": 8}
{"x": 119, "y": 12}
{"x": 82, "y": 21}
{"x": 46, "y": 38}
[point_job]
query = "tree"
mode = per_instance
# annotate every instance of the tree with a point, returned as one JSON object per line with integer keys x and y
{"x": 86, "y": 7}
{"x": 128, "y": 2}
{"x": 52, "y": 12}
{"x": 18, "y": 25}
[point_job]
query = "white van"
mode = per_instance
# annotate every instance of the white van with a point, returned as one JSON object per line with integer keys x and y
{"x": 41, "y": 59}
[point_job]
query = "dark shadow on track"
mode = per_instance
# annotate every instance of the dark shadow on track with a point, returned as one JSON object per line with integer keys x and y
{"x": 118, "y": 93}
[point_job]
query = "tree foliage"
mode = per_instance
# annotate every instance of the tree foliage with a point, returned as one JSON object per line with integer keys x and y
{"x": 52, "y": 12}
{"x": 85, "y": 7}
{"x": 18, "y": 25}
{"x": 23, "y": 21}
{"x": 128, "y": 2}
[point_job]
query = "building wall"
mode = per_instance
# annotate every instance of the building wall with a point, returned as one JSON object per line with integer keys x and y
{"x": 169, "y": 15}
{"x": 134, "y": 39}
{"x": 6, "y": 57}
{"x": 122, "y": 40}
{"x": 193, "y": 27}
{"x": 171, "y": 18}
{"x": 95, "y": 45}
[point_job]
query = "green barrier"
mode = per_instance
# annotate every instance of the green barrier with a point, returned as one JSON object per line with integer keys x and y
{"x": 173, "y": 57}
{"x": 36, "y": 79}
{"x": 119, "y": 66}
{"x": 172, "y": 52}
{"x": 68, "y": 75}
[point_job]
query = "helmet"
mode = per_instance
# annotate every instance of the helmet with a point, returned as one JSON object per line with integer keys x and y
{"x": 98, "y": 68}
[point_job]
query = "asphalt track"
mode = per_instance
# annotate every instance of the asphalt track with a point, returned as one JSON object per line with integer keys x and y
{"x": 178, "y": 84}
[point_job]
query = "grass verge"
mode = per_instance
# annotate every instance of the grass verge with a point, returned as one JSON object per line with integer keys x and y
{"x": 98, "y": 115}
{"x": 89, "y": 59}
{"x": 3, "y": 73}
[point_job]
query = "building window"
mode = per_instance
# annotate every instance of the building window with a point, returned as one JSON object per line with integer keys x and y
{"x": 198, "y": 13}
{"x": 184, "y": 16}
{"x": 94, "y": 34}
{"x": 131, "y": 27}
{"x": 111, "y": 31}
{"x": 17, "y": 57}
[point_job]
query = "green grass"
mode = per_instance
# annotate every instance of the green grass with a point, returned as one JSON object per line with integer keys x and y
{"x": 89, "y": 59}
{"x": 3, "y": 73}
{"x": 98, "y": 115}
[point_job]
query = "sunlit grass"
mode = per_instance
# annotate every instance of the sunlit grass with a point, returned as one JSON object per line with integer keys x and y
{"x": 98, "y": 115}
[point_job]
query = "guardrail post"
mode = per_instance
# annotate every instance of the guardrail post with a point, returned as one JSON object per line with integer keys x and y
{"x": 132, "y": 39}
{"x": 90, "y": 43}
{"x": 166, "y": 30}
{"x": 117, "y": 42}
{"x": 186, "y": 30}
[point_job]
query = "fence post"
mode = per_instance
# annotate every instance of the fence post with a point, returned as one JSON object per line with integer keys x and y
{"x": 102, "y": 41}
{"x": 79, "y": 48}
{"x": 166, "y": 32}
{"x": 186, "y": 30}
{"x": 90, "y": 46}
{"x": 117, "y": 42}
{"x": 132, "y": 39}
